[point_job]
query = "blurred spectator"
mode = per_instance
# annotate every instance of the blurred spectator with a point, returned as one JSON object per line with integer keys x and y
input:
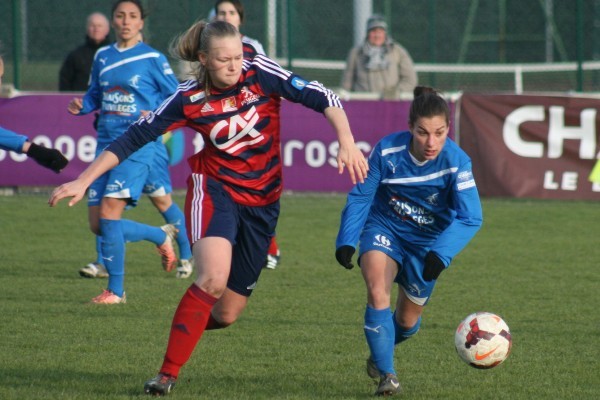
{"x": 379, "y": 65}
{"x": 75, "y": 72}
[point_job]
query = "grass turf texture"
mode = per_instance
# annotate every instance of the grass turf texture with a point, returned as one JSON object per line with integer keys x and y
{"x": 535, "y": 263}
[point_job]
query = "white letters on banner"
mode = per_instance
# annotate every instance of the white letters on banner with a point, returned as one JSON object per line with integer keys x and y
{"x": 557, "y": 132}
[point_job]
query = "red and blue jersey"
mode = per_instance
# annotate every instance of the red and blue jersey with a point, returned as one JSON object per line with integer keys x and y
{"x": 240, "y": 126}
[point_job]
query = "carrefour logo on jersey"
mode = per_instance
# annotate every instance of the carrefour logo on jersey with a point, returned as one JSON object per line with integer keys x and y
{"x": 119, "y": 101}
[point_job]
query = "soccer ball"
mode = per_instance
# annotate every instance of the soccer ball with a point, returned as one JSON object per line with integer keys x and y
{"x": 483, "y": 340}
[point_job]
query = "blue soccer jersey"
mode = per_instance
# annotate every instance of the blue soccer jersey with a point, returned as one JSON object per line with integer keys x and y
{"x": 434, "y": 205}
{"x": 123, "y": 83}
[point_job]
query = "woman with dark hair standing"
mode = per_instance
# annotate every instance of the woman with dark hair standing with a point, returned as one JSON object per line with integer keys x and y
{"x": 232, "y": 203}
{"x": 128, "y": 78}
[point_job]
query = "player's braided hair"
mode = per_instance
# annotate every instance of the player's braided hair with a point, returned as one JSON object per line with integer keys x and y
{"x": 427, "y": 102}
{"x": 196, "y": 40}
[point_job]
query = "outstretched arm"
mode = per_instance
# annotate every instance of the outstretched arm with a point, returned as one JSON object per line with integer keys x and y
{"x": 76, "y": 189}
{"x": 349, "y": 155}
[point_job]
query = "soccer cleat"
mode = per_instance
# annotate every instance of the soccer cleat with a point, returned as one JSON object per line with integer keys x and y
{"x": 273, "y": 260}
{"x": 388, "y": 385}
{"x": 93, "y": 270}
{"x": 160, "y": 385}
{"x": 185, "y": 268}
{"x": 108, "y": 297}
{"x": 372, "y": 369}
{"x": 166, "y": 251}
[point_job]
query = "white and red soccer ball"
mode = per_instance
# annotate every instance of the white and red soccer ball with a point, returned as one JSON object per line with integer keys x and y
{"x": 483, "y": 340}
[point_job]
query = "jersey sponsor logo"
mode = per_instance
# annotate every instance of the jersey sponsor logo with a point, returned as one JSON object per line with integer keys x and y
{"x": 407, "y": 211}
{"x": 134, "y": 81}
{"x": 464, "y": 180}
{"x": 236, "y": 132}
{"x": 195, "y": 97}
{"x": 118, "y": 101}
{"x": 248, "y": 97}
{"x": 382, "y": 241}
{"x": 229, "y": 104}
{"x": 433, "y": 199}
{"x": 299, "y": 83}
{"x": 103, "y": 60}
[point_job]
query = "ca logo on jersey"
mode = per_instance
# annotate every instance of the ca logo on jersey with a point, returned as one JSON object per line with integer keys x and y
{"x": 237, "y": 128}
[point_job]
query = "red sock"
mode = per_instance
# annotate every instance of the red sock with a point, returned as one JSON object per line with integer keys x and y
{"x": 273, "y": 248}
{"x": 188, "y": 325}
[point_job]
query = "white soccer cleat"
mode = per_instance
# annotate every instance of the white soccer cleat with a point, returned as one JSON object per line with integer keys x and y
{"x": 93, "y": 270}
{"x": 185, "y": 268}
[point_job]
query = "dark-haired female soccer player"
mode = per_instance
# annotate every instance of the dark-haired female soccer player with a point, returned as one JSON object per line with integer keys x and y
{"x": 232, "y": 202}
{"x": 416, "y": 210}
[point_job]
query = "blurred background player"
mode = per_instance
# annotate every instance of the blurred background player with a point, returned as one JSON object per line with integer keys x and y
{"x": 74, "y": 73}
{"x": 12, "y": 141}
{"x": 158, "y": 188}
{"x": 379, "y": 65}
{"x": 127, "y": 78}
{"x": 233, "y": 192}
{"x": 417, "y": 209}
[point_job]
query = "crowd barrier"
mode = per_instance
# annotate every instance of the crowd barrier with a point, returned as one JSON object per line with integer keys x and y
{"x": 521, "y": 146}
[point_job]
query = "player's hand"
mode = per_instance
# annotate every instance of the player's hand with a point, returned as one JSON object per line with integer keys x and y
{"x": 433, "y": 267}
{"x": 49, "y": 158}
{"x": 352, "y": 158}
{"x": 75, "y": 106}
{"x": 343, "y": 256}
{"x": 75, "y": 189}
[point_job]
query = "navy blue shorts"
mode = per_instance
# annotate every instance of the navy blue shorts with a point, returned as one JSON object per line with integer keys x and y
{"x": 210, "y": 211}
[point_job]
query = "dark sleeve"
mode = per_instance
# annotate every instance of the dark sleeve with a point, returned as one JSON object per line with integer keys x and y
{"x": 66, "y": 74}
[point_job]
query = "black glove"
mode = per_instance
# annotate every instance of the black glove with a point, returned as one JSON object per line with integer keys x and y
{"x": 49, "y": 158}
{"x": 343, "y": 255}
{"x": 433, "y": 266}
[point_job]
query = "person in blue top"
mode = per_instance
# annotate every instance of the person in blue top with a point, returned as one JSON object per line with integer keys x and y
{"x": 128, "y": 79}
{"x": 416, "y": 210}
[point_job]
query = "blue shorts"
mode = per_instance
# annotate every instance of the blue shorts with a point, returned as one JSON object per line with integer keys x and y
{"x": 210, "y": 211}
{"x": 125, "y": 181}
{"x": 158, "y": 182}
{"x": 408, "y": 255}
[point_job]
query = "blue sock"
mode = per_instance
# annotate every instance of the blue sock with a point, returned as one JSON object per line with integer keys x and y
{"x": 99, "y": 259}
{"x": 175, "y": 216}
{"x": 113, "y": 253}
{"x": 403, "y": 334}
{"x": 135, "y": 232}
{"x": 379, "y": 330}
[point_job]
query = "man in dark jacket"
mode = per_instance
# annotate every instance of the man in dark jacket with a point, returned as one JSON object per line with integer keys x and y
{"x": 75, "y": 71}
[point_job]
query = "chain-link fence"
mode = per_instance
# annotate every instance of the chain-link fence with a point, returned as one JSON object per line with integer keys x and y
{"x": 37, "y": 34}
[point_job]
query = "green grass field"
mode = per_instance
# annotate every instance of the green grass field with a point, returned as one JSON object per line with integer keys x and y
{"x": 535, "y": 263}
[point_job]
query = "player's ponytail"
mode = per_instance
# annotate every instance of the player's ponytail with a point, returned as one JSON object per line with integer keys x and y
{"x": 427, "y": 103}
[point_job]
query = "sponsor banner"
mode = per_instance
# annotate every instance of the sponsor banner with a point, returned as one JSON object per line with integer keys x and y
{"x": 531, "y": 146}
{"x": 309, "y": 144}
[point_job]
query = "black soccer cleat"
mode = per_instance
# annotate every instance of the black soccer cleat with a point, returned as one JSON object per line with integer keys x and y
{"x": 160, "y": 385}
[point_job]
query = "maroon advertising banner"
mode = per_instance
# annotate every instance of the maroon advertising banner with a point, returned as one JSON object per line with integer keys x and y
{"x": 531, "y": 146}
{"x": 309, "y": 144}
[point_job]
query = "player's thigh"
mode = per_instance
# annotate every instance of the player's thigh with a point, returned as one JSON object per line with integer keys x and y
{"x": 94, "y": 219}
{"x": 212, "y": 257}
